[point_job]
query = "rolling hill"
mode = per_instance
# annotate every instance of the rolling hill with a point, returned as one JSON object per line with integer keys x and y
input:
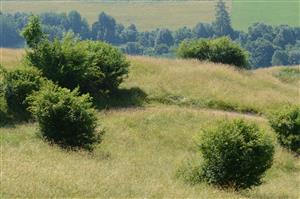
{"x": 150, "y": 134}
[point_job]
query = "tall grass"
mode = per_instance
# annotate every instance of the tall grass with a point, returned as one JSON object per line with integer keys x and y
{"x": 139, "y": 157}
{"x": 210, "y": 85}
{"x": 145, "y": 144}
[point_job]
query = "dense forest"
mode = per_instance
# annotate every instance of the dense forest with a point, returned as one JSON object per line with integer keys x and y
{"x": 267, "y": 45}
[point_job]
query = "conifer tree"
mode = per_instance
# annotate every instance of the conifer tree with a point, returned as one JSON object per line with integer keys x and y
{"x": 222, "y": 24}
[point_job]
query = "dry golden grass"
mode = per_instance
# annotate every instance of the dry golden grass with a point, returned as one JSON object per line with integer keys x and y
{"x": 139, "y": 157}
{"x": 144, "y": 147}
{"x": 193, "y": 82}
{"x": 10, "y": 58}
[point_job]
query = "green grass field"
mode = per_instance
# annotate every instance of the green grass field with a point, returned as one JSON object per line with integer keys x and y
{"x": 274, "y": 12}
{"x": 145, "y": 144}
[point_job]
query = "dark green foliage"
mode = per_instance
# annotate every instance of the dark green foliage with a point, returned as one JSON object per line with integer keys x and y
{"x": 262, "y": 41}
{"x": 95, "y": 67}
{"x": 133, "y": 48}
{"x": 261, "y": 52}
{"x": 18, "y": 85}
{"x": 203, "y": 30}
{"x": 182, "y": 34}
{"x": 280, "y": 58}
{"x": 222, "y": 24}
{"x": 164, "y": 36}
{"x": 32, "y": 32}
{"x": 221, "y": 50}
{"x": 78, "y": 25}
{"x": 294, "y": 57}
{"x": 104, "y": 59}
{"x": 64, "y": 117}
{"x": 161, "y": 49}
{"x": 260, "y": 30}
{"x": 236, "y": 154}
{"x": 130, "y": 34}
{"x": 197, "y": 49}
{"x": 105, "y": 28}
{"x": 286, "y": 123}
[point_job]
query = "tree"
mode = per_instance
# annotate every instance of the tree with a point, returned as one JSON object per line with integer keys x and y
{"x": 285, "y": 35}
{"x": 261, "y": 30}
{"x": 161, "y": 49}
{"x": 294, "y": 57}
{"x": 280, "y": 58}
{"x": 130, "y": 34}
{"x": 105, "y": 28}
{"x": 164, "y": 36}
{"x": 203, "y": 30}
{"x": 222, "y": 24}
{"x": 147, "y": 39}
{"x": 33, "y": 32}
{"x": 133, "y": 48}
{"x": 182, "y": 34}
{"x": 261, "y": 52}
{"x": 78, "y": 25}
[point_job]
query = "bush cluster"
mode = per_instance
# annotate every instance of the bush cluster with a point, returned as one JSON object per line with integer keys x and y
{"x": 95, "y": 67}
{"x": 286, "y": 124}
{"x": 65, "y": 118}
{"x": 236, "y": 154}
{"x": 18, "y": 85}
{"x": 221, "y": 50}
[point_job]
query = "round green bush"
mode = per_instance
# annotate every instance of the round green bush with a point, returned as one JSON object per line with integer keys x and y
{"x": 220, "y": 50}
{"x": 19, "y": 84}
{"x": 94, "y": 66}
{"x": 65, "y": 118}
{"x": 236, "y": 154}
{"x": 286, "y": 123}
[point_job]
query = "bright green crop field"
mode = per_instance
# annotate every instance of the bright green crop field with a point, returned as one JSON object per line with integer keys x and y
{"x": 245, "y": 13}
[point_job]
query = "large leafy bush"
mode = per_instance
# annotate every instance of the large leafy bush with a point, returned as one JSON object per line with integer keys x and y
{"x": 286, "y": 123}
{"x": 95, "y": 67}
{"x": 220, "y": 50}
{"x": 65, "y": 117}
{"x": 236, "y": 154}
{"x": 19, "y": 84}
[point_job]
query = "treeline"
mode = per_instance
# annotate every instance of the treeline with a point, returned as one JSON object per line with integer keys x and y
{"x": 267, "y": 45}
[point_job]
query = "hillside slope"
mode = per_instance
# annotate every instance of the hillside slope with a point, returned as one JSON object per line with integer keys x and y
{"x": 185, "y": 82}
{"x": 147, "y": 142}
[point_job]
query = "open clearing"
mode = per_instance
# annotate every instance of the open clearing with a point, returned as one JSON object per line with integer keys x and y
{"x": 146, "y": 143}
{"x": 274, "y": 12}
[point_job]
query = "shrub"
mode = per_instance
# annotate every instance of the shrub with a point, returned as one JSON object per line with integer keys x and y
{"x": 286, "y": 123}
{"x": 107, "y": 60}
{"x": 95, "y": 67}
{"x": 64, "y": 117}
{"x": 221, "y": 50}
{"x": 236, "y": 154}
{"x": 18, "y": 85}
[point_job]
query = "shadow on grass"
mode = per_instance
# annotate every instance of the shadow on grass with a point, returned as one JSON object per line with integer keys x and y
{"x": 122, "y": 98}
{"x": 10, "y": 120}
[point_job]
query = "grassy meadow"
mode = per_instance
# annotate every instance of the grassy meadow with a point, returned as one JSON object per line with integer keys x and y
{"x": 146, "y": 144}
{"x": 274, "y": 12}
